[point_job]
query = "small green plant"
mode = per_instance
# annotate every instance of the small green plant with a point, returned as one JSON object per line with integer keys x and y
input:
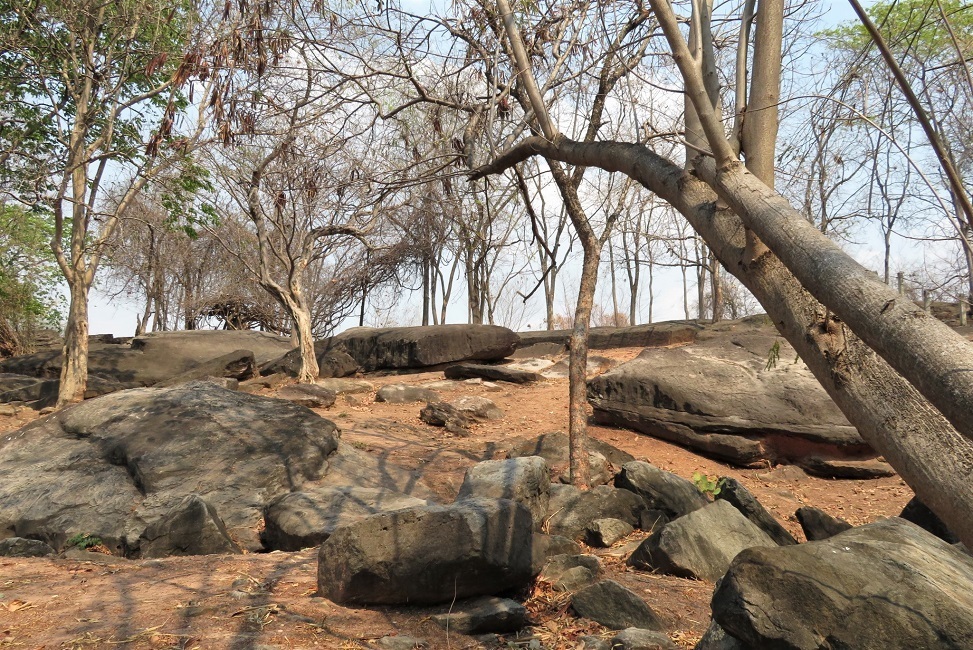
{"x": 708, "y": 483}
{"x": 83, "y": 541}
{"x": 774, "y": 355}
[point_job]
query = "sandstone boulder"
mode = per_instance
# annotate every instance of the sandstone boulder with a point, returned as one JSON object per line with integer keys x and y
{"x": 524, "y": 480}
{"x": 673, "y": 495}
{"x": 297, "y": 520}
{"x": 700, "y": 545}
{"x": 112, "y": 466}
{"x": 429, "y": 554}
{"x": 889, "y": 584}
{"x": 720, "y": 397}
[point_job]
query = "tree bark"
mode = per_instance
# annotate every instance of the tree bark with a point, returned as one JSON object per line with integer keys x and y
{"x": 74, "y": 367}
{"x": 301, "y": 318}
{"x": 580, "y": 470}
{"x": 928, "y": 450}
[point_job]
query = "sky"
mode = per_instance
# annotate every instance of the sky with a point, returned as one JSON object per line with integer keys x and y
{"x": 117, "y": 315}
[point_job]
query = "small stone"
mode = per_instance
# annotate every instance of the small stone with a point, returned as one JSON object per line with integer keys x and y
{"x": 818, "y": 525}
{"x": 605, "y": 532}
{"x": 490, "y": 614}
{"x": 309, "y": 395}
{"x": 612, "y": 605}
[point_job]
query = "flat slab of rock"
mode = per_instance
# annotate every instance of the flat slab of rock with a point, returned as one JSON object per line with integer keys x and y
{"x": 405, "y": 394}
{"x": 297, "y": 520}
{"x": 399, "y": 348}
{"x": 343, "y": 386}
{"x": 429, "y": 555}
{"x": 491, "y": 373}
{"x": 718, "y": 397}
{"x": 488, "y": 614}
{"x": 883, "y": 585}
{"x": 310, "y": 395}
{"x": 638, "y": 336}
{"x": 701, "y": 544}
{"x": 610, "y": 604}
{"x": 112, "y": 466}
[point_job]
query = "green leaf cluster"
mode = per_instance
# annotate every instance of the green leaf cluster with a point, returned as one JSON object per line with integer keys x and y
{"x": 30, "y": 296}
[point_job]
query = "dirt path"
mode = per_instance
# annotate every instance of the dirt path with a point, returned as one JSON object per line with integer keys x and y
{"x": 87, "y": 600}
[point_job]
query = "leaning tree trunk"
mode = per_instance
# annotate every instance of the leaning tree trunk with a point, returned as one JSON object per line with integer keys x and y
{"x": 928, "y": 450}
{"x": 74, "y": 369}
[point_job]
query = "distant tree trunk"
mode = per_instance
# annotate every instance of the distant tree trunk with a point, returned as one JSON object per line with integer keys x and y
{"x": 716, "y": 287}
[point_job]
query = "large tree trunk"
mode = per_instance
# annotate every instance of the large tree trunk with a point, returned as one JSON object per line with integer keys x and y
{"x": 929, "y": 452}
{"x": 74, "y": 368}
{"x": 301, "y": 318}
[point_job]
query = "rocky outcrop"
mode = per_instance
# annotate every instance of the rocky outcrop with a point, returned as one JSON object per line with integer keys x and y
{"x": 429, "y": 554}
{"x": 884, "y": 585}
{"x": 700, "y": 545}
{"x": 159, "y": 357}
{"x": 721, "y": 397}
{"x": 491, "y": 373}
{"x": 113, "y": 466}
{"x": 402, "y": 348}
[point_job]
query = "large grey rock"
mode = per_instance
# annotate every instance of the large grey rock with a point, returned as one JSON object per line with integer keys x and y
{"x": 297, "y": 520}
{"x": 156, "y": 357}
{"x": 486, "y": 614}
{"x": 491, "y": 373}
{"x": 524, "y": 480}
{"x": 553, "y": 447}
{"x": 404, "y": 394}
{"x": 400, "y": 348}
{"x": 673, "y": 495}
{"x": 570, "y": 510}
{"x": 39, "y": 393}
{"x": 732, "y": 491}
{"x": 718, "y": 397}
{"x": 884, "y": 585}
{"x": 238, "y": 364}
{"x": 20, "y": 547}
{"x": 310, "y": 395}
{"x": 701, "y": 544}
{"x": 818, "y": 525}
{"x": 332, "y": 363}
{"x": 429, "y": 554}
{"x": 112, "y": 466}
{"x": 612, "y": 605}
{"x": 192, "y": 527}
